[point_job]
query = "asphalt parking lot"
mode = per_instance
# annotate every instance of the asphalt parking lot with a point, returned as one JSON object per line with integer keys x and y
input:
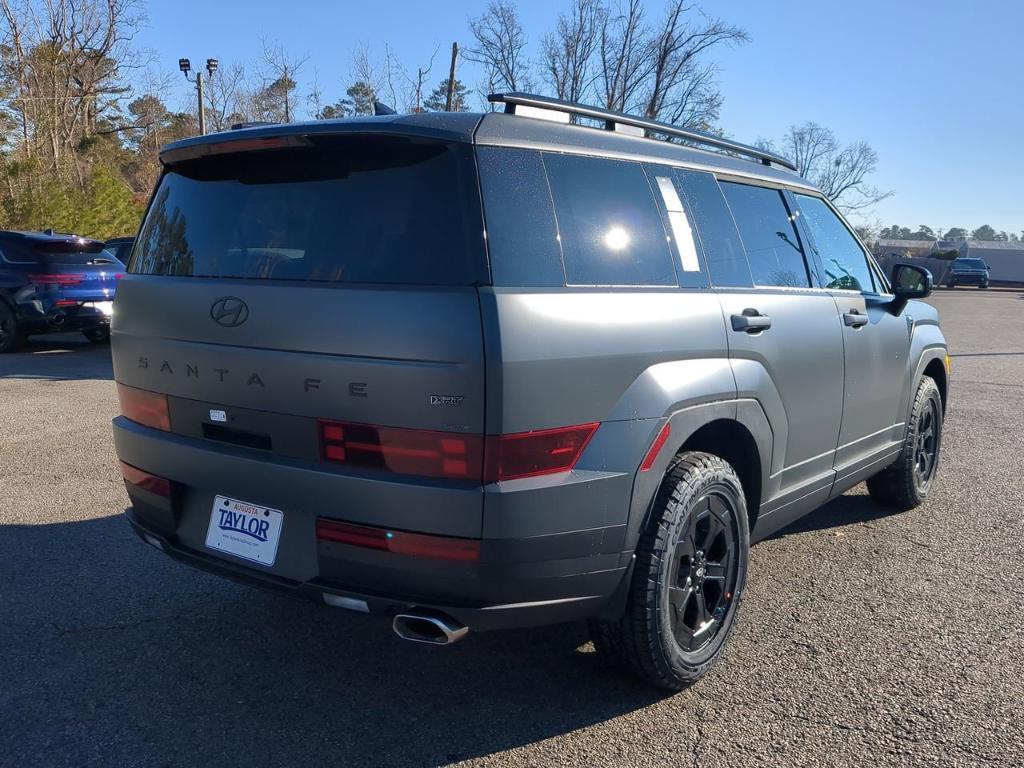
{"x": 867, "y": 638}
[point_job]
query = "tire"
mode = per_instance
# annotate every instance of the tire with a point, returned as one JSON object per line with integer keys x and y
{"x": 905, "y": 483}
{"x": 97, "y": 335}
{"x": 983, "y": 286}
{"x": 688, "y": 577}
{"x": 10, "y": 335}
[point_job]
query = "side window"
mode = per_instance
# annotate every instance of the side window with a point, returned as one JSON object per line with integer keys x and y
{"x": 522, "y": 240}
{"x": 18, "y": 253}
{"x": 608, "y": 223}
{"x": 842, "y": 258}
{"x": 773, "y": 246}
{"x": 716, "y": 231}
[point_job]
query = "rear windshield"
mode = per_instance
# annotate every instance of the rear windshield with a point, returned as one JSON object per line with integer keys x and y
{"x": 368, "y": 209}
{"x": 970, "y": 263}
{"x": 57, "y": 252}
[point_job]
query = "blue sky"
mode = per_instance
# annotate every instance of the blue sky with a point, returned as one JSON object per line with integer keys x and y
{"x": 937, "y": 89}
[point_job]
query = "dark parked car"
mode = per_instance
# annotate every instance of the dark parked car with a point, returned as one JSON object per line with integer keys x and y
{"x": 121, "y": 247}
{"x": 967, "y": 272}
{"x": 473, "y": 372}
{"x": 53, "y": 282}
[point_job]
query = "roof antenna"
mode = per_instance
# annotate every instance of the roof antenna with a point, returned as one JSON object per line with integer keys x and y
{"x": 380, "y": 108}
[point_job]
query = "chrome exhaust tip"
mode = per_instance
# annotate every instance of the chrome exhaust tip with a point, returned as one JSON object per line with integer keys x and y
{"x": 432, "y": 628}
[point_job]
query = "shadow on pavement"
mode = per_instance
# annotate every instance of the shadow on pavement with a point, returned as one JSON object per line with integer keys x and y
{"x": 134, "y": 659}
{"x": 845, "y": 510}
{"x": 58, "y": 357}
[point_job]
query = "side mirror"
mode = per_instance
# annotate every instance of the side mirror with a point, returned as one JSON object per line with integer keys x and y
{"x": 909, "y": 282}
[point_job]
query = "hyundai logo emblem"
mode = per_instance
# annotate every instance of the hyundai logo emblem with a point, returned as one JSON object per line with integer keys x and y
{"x": 229, "y": 311}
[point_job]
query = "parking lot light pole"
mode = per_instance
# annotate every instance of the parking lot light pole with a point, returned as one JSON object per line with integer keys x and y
{"x": 211, "y": 66}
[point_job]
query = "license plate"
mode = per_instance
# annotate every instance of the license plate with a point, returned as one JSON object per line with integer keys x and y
{"x": 245, "y": 530}
{"x": 105, "y": 307}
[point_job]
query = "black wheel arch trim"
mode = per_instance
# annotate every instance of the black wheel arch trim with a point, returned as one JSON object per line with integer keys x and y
{"x": 746, "y": 413}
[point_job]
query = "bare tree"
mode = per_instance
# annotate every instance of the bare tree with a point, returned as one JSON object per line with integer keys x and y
{"x": 661, "y": 71}
{"x": 280, "y": 79}
{"x": 681, "y": 88}
{"x": 840, "y": 172}
{"x": 227, "y": 97}
{"x": 568, "y": 52}
{"x": 67, "y": 60}
{"x": 500, "y": 46}
{"x": 625, "y": 56}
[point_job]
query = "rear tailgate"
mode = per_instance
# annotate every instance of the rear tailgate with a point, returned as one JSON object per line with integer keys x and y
{"x": 270, "y": 291}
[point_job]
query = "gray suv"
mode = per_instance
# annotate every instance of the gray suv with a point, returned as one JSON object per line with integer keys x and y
{"x": 473, "y": 372}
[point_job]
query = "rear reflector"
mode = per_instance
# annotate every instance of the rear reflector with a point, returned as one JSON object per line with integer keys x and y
{"x": 656, "y": 447}
{"x": 145, "y": 407}
{"x": 399, "y": 542}
{"x": 148, "y": 482}
{"x": 403, "y": 451}
{"x": 528, "y": 454}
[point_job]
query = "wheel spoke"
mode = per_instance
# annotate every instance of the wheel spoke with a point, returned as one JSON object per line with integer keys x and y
{"x": 717, "y": 571}
{"x": 678, "y": 598}
{"x": 701, "y": 606}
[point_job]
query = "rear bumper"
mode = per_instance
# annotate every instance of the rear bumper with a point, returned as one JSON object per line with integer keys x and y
{"x": 968, "y": 279}
{"x": 37, "y": 317}
{"x": 518, "y": 581}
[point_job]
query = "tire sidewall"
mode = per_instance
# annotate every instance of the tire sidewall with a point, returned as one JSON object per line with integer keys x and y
{"x": 683, "y": 663}
{"x": 927, "y": 393}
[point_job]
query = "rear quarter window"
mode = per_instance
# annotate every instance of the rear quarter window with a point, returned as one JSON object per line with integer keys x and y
{"x": 364, "y": 209}
{"x": 609, "y": 225}
{"x": 522, "y": 238}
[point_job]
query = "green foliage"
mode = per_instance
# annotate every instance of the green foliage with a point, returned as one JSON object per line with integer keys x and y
{"x": 984, "y": 232}
{"x": 105, "y": 208}
{"x": 362, "y": 95}
{"x": 438, "y": 98}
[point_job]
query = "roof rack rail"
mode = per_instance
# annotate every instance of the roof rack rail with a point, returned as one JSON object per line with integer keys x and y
{"x": 534, "y": 106}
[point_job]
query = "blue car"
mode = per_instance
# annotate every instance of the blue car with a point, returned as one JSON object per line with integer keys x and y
{"x": 53, "y": 282}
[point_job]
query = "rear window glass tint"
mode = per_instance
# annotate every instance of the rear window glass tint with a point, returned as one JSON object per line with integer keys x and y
{"x": 723, "y": 252}
{"x": 522, "y": 240}
{"x": 608, "y": 223}
{"x": 773, "y": 246}
{"x": 351, "y": 210}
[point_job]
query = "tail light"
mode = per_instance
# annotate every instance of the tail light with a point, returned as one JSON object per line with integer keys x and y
{"x": 56, "y": 279}
{"x": 403, "y": 451}
{"x": 528, "y": 454}
{"x": 161, "y": 486}
{"x": 399, "y": 542}
{"x": 452, "y": 454}
{"x": 145, "y": 407}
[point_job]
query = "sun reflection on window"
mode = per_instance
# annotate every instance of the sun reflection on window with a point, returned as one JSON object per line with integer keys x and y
{"x": 616, "y": 238}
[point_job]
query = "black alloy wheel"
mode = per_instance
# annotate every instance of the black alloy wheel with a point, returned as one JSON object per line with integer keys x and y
{"x": 704, "y": 573}
{"x": 926, "y": 445}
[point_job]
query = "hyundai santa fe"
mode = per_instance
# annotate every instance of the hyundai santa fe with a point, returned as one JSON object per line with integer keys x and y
{"x": 476, "y": 371}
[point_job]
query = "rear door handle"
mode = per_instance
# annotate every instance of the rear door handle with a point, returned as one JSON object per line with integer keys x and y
{"x": 855, "y": 318}
{"x": 751, "y": 321}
